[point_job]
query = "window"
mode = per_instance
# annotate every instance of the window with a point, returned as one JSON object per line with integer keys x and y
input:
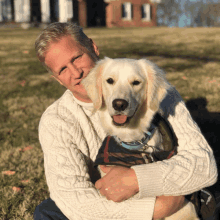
{"x": 127, "y": 11}
{"x": 146, "y": 12}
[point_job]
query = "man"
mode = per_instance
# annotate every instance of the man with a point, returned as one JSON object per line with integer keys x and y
{"x": 70, "y": 136}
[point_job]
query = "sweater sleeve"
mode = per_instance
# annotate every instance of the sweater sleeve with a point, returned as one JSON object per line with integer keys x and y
{"x": 194, "y": 166}
{"x": 69, "y": 182}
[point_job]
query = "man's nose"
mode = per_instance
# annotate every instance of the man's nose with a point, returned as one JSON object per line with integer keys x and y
{"x": 77, "y": 72}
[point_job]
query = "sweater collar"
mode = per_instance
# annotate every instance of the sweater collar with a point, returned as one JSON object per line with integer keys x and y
{"x": 87, "y": 106}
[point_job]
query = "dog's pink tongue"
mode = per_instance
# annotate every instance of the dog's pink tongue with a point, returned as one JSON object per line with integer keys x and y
{"x": 120, "y": 119}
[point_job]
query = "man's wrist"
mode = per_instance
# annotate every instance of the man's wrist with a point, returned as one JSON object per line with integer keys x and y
{"x": 149, "y": 177}
{"x": 133, "y": 179}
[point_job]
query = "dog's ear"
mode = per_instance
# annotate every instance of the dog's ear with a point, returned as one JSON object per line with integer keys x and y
{"x": 93, "y": 83}
{"x": 157, "y": 84}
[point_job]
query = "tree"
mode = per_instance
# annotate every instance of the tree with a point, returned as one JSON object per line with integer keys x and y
{"x": 209, "y": 15}
{"x": 168, "y": 12}
{"x": 191, "y": 10}
{"x": 202, "y": 12}
{"x": 196, "y": 12}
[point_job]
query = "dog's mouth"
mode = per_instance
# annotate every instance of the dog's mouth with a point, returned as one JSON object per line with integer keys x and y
{"x": 120, "y": 120}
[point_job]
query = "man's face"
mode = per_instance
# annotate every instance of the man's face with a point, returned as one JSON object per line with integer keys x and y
{"x": 70, "y": 63}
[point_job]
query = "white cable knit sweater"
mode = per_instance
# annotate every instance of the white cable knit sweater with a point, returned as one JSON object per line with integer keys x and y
{"x": 70, "y": 137}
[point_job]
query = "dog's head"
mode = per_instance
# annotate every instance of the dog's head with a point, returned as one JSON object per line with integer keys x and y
{"x": 126, "y": 88}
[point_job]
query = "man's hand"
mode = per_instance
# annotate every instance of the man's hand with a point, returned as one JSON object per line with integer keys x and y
{"x": 120, "y": 183}
{"x": 167, "y": 205}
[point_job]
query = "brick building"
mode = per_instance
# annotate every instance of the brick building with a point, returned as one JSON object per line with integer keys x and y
{"x": 88, "y": 13}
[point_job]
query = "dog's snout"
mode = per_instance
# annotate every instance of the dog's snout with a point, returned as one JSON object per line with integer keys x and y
{"x": 120, "y": 104}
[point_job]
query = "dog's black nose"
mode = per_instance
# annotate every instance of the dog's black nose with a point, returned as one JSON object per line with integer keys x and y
{"x": 120, "y": 104}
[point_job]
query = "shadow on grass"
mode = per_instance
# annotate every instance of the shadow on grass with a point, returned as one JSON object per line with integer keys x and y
{"x": 209, "y": 123}
{"x": 176, "y": 54}
{"x": 141, "y": 50}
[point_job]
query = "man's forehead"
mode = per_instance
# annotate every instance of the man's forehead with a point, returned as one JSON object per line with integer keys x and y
{"x": 65, "y": 41}
{"x": 66, "y": 48}
{"x": 54, "y": 50}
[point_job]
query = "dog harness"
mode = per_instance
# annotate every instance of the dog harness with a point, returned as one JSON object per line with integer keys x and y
{"x": 114, "y": 152}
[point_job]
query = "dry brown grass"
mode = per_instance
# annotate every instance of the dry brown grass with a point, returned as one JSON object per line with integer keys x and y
{"x": 189, "y": 56}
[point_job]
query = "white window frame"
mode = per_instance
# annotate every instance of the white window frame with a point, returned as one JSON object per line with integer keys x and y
{"x": 127, "y": 6}
{"x": 147, "y": 11}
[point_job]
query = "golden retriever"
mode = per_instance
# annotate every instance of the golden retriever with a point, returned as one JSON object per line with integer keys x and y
{"x": 127, "y": 94}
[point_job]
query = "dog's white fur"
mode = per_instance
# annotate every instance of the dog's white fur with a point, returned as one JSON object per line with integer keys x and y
{"x": 144, "y": 99}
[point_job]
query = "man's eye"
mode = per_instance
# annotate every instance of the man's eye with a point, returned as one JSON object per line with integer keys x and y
{"x": 79, "y": 56}
{"x": 75, "y": 58}
{"x": 62, "y": 70}
{"x": 110, "y": 81}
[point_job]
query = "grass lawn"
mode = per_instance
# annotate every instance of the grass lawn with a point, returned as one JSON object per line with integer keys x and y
{"x": 189, "y": 56}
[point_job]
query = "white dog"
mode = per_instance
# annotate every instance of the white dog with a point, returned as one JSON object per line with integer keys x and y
{"x": 128, "y": 93}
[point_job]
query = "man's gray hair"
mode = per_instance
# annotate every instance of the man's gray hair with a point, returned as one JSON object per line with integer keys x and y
{"x": 55, "y": 31}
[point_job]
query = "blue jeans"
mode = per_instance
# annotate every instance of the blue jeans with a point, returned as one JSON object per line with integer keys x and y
{"x": 48, "y": 210}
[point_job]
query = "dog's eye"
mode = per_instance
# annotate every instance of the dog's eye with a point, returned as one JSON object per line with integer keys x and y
{"x": 135, "y": 83}
{"x": 110, "y": 81}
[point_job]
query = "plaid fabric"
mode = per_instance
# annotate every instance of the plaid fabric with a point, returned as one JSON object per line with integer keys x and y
{"x": 112, "y": 153}
{"x": 205, "y": 204}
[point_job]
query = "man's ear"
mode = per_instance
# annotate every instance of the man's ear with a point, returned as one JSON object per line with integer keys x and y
{"x": 58, "y": 80}
{"x": 95, "y": 47}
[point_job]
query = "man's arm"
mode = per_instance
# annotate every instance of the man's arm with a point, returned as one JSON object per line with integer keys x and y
{"x": 194, "y": 166}
{"x": 69, "y": 182}
{"x": 167, "y": 205}
{"x": 120, "y": 189}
